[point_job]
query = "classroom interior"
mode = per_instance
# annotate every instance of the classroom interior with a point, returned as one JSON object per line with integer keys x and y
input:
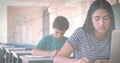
{"x": 24, "y": 22}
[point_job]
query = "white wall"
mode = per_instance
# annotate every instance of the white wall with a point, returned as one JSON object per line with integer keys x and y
{"x": 3, "y": 22}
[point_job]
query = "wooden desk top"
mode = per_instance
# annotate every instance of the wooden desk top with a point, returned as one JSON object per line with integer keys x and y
{"x": 34, "y": 59}
{"x": 14, "y": 49}
{"x": 22, "y": 52}
{"x": 30, "y": 57}
{"x": 6, "y": 46}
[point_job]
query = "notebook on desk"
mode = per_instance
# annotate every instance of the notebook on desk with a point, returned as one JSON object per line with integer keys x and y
{"x": 115, "y": 47}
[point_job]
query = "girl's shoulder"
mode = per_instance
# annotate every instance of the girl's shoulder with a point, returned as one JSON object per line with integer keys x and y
{"x": 80, "y": 30}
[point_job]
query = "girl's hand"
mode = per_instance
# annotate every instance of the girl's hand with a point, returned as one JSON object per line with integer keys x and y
{"x": 83, "y": 60}
{"x": 102, "y": 61}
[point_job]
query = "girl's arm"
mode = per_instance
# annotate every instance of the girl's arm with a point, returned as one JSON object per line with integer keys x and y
{"x": 63, "y": 55}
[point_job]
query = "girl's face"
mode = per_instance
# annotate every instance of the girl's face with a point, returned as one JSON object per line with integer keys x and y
{"x": 58, "y": 34}
{"x": 101, "y": 20}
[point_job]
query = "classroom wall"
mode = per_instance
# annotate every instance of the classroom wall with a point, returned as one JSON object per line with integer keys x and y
{"x": 24, "y": 24}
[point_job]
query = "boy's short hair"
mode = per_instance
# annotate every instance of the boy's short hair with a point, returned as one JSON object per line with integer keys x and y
{"x": 61, "y": 23}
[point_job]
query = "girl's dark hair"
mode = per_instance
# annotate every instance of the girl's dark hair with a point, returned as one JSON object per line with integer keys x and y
{"x": 98, "y": 4}
{"x": 61, "y": 23}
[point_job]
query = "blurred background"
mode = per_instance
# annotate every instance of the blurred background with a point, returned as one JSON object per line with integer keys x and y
{"x": 27, "y": 21}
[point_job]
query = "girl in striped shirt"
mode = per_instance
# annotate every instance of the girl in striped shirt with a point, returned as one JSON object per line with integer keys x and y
{"x": 91, "y": 43}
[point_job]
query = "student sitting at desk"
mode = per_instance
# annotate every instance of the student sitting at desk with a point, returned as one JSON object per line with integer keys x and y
{"x": 92, "y": 42}
{"x": 51, "y": 44}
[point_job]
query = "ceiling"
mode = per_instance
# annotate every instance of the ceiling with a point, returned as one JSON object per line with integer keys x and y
{"x": 45, "y": 3}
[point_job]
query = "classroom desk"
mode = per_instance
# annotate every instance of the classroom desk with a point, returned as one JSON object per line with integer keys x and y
{"x": 16, "y": 55}
{"x": 32, "y": 59}
{"x": 9, "y": 55}
{"x": 13, "y": 49}
{"x": 6, "y": 48}
{"x": 1, "y": 56}
{"x": 2, "y": 52}
{"x": 2, "y": 47}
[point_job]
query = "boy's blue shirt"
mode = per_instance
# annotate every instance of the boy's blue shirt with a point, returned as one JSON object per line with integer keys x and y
{"x": 50, "y": 43}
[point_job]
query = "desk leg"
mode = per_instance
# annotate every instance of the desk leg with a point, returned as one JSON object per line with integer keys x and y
{"x": 19, "y": 60}
{"x": 6, "y": 57}
{"x": 13, "y": 59}
{"x": 10, "y": 57}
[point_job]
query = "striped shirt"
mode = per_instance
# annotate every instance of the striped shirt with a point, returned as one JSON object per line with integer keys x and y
{"x": 87, "y": 45}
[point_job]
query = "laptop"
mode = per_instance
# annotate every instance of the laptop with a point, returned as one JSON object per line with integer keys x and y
{"x": 115, "y": 47}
